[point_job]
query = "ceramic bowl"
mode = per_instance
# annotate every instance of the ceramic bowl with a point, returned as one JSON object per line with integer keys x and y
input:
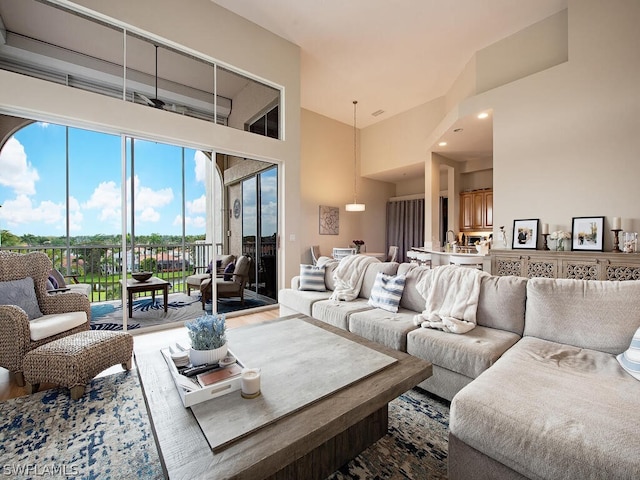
{"x": 142, "y": 276}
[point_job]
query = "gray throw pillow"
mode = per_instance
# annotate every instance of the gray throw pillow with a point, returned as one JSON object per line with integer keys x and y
{"x": 21, "y": 293}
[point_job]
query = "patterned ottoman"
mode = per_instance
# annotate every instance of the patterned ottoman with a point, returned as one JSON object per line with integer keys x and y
{"x": 74, "y": 360}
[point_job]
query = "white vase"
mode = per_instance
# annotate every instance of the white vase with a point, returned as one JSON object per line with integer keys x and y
{"x": 201, "y": 357}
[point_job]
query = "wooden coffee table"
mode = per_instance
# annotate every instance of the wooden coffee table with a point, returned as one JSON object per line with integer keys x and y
{"x": 152, "y": 285}
{"x": 309, "y": 443}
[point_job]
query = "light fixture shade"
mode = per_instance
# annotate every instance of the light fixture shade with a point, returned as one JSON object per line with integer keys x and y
{"x": 355, "y": 207}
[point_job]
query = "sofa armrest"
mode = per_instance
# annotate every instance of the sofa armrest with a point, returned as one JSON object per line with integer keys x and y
{"x": 295, "y": 283}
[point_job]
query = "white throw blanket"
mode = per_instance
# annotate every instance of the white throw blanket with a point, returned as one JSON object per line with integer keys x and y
{"x": 349, "y": 275}
{"x": 451, "y": 299}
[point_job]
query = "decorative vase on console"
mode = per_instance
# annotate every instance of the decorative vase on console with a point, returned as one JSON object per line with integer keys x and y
{"x": 560, "y": 236}
{"x": 208, "y": 339}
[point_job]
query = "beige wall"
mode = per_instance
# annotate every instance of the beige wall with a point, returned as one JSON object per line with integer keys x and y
{"x": 327, "y": 179}
{"x": 566, "y": 140}
{"x": 210, "y": 30}
{"x": 565, "y": 125}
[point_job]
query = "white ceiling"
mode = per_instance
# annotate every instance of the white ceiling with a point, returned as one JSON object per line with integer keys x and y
{"x": 390, "y": 55}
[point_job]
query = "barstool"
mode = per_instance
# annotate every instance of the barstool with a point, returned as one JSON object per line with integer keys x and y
{"x": 465, "y": 261}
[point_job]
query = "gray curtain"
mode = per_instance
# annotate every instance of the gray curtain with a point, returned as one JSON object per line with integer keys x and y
{"x": 405, "y": 225}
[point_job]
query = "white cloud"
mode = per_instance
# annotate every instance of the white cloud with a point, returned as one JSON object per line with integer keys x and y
{"x": 199, "y": 205}
{"x": 21, "y": 211}
{"x": 106, "y": 199}
{"x": 149, "y": 214}
{"x": 201, "y": 161}
{"x": 43, "y": 124}
{"x": 17, "y": 172}
{"x": 195, "y": 222}
{"x": 147, "y": 198}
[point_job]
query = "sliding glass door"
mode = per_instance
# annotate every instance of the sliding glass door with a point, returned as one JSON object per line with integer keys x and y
{"x": 260, "y": 229}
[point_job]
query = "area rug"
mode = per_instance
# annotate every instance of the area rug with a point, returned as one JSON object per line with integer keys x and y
{"x": 103, "y": 435}
{"x": 415, "y": 448}
{"x": 147, "y": 312}
{"x": 106, "y": 435}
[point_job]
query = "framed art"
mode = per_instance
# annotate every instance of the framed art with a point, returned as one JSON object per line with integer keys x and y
{"x": 525, "y": 234}
{"x": 329, "y": 220}
{"x": 587, "y": 233}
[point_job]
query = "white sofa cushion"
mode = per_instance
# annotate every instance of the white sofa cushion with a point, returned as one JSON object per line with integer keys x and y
{"x": 551, "y": 411}
{"x": 596, "y": 314}
{"x": 386, "y": 328}
{"x": 469, "y": 354}
{"x": 48, "y": 325}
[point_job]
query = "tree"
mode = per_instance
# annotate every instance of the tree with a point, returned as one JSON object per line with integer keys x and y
{"x": 149, "y": 264}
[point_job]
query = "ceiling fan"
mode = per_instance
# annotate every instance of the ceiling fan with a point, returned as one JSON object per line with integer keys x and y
{"x": 153, "y": 102}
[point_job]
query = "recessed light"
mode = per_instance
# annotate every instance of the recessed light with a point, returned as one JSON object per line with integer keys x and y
{"x": 442, "y": 144}
{"x": 483, "y": 115}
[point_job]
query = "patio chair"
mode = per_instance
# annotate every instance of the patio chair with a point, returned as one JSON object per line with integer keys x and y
{"x": 29, "y": 315}
{"x": 234, "y": 287}
{"x": 61, "y": 285}
{"x": 199, "y": 274}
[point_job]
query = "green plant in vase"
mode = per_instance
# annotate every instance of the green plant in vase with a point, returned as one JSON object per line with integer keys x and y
{"x": 208, "y": 339}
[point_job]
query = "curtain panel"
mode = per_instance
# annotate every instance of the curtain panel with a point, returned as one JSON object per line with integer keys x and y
{"x": 405, "y": 225}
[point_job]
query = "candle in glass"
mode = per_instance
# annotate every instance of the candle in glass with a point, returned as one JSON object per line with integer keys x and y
{"x": 250, "y": 382}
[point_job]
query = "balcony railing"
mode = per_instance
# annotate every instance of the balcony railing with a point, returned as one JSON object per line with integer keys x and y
{"x": 101, "y": 265}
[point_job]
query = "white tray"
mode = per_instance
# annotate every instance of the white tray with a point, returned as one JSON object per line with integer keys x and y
{"x": 200, "y": 394}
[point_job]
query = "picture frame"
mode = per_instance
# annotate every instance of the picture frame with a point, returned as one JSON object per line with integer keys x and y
{"x": 329, "y": 220}
{"x": 587, "y": 233}
{"x": 525, "y": 234}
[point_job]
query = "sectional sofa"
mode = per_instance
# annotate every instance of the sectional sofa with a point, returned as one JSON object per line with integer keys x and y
{"x": 536, "y": 390}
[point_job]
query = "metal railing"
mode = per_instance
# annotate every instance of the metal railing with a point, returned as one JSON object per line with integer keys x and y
{"x": 101, "y": 265}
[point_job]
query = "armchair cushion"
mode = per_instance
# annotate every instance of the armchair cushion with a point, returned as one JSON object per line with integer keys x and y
{"x": 22, "y": 294}
{"x": 49, "y": 325}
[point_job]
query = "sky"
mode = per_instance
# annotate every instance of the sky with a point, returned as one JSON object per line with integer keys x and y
{"x": 33, "y": 184}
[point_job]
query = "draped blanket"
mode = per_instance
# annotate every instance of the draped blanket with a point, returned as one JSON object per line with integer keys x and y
{"x": 349, "y": 275}
{"x": 451, "y": 295}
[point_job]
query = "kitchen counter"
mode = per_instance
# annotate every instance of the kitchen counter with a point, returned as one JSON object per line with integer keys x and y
{"x": 439, "y": 258}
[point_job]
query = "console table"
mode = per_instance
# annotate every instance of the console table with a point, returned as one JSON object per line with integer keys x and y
{"x": 575, "y": 265}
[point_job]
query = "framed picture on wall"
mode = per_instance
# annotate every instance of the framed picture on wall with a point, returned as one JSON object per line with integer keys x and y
{"x": 525, "y": 234}
{"x": 329, "y": 220}
{"x": 587, "y": 233}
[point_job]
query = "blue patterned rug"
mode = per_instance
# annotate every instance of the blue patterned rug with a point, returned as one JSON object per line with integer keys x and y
{"x": 106, "y": 435}
{"x": 147, "y": 312}
{"x": 103, "y": 435}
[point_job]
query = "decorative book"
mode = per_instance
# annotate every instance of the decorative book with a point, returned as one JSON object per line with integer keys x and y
{"x": 218, "y": 375}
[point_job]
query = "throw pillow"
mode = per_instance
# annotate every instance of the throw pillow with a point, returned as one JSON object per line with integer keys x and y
{"x": 228, "y": 271}
{"x": 21, "y": 293}
{"x": 312, "y": 278}
{"x": 387, "y": 292}
{"x": 53, "y": 281}
{"x": 630, "y": 358}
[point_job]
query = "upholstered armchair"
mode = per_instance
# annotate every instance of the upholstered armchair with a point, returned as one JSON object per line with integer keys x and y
{"x": 29, "y": 316}
{"x": 195, "y": 280}
{"x": 231, "y": 286}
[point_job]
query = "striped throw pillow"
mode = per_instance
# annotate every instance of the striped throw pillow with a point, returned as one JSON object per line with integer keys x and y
{"x": 312, "y": 278}
{"x": 630, "y": 359}
{"x": 387, "y": 292}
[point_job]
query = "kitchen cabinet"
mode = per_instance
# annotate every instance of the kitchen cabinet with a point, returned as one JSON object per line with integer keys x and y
{"x": 476, "y": 210}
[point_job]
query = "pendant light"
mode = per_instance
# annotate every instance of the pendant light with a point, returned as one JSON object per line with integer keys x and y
{"x": 355, "y": 206}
